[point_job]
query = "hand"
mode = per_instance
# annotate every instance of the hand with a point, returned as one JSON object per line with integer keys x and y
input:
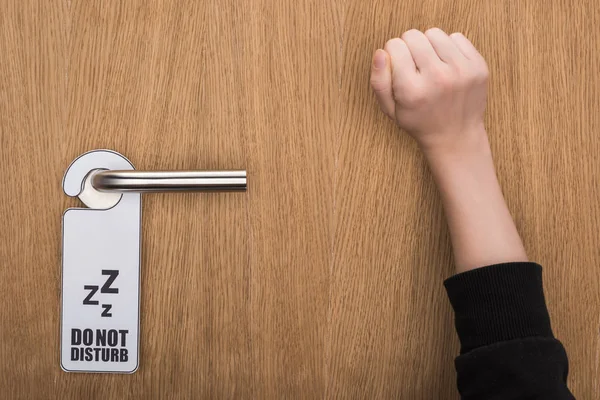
{"x": 434, "y": 86}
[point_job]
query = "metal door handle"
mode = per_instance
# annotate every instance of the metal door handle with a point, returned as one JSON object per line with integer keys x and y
{"x": 167, "y": 181}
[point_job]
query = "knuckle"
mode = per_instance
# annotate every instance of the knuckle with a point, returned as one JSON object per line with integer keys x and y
{"x": 480, "y": 74}
{"x": 485, "y": 71}
{"x": 483, "y": 76}
{"x": 467, "y": 74}
{"x": 443, "y": 78}
{"x": 374, "y": 83}
{"x": 460, "y": 68}
{"x": 390, "y": 43}
{"x": 432, "y": 31}
{"x": 378, "y": 85}
{"x": 446, "y": 83}
{"x": 411, "y": 33}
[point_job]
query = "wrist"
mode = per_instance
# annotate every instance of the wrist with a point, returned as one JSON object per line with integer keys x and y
{"x": 472, "y": 146}
{"x": 465, "y": 167}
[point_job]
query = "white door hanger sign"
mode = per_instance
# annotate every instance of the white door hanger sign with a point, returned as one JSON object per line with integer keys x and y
{"x": 101, "y": 254}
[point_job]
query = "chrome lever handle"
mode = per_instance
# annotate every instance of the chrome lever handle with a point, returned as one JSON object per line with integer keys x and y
{"x": 168, "y": 181}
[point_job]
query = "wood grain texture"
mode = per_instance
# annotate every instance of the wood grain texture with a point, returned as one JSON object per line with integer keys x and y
{"x": 325, "y": 279}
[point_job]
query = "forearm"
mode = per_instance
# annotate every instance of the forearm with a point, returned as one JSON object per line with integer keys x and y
{"x": 481, "y": 227}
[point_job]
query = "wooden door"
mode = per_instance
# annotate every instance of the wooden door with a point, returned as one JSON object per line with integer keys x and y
{"x": 324, "y": 280}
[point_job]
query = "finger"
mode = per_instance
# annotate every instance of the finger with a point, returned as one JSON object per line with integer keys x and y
{"x": 381, "y": 82}
{"x": 402, "y": 61}
{"x": 465, "y": 46}
{"x": 445, "y": 47}
{"x": 421, "y": 50}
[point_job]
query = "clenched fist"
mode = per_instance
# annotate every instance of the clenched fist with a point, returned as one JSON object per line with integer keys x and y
{"x": 434, "y": 86}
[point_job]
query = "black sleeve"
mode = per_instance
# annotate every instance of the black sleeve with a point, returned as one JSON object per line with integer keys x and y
{"x": 508, "y": 350}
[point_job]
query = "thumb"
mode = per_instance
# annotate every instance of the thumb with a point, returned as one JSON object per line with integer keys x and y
{"x": 381, "y": 82}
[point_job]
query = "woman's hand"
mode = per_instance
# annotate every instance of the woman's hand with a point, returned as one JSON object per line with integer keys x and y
{"x": 434, "y": 86}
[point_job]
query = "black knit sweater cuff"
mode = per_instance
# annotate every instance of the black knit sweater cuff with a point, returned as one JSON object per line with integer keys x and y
{"x": 498, "y": 303}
